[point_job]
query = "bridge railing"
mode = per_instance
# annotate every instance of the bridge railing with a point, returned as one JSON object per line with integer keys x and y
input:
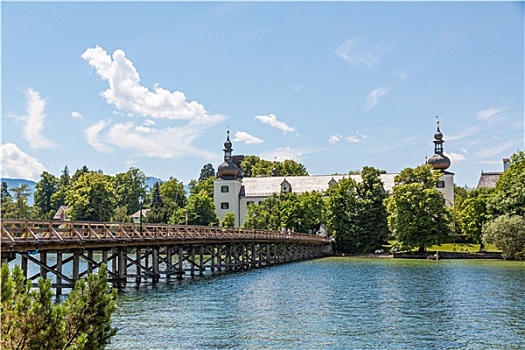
{"x": 30, "y": 231}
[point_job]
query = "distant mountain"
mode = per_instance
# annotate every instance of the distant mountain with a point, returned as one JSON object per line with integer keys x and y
{"x": 150, "y": 181}
{"x": 12, "y": 183}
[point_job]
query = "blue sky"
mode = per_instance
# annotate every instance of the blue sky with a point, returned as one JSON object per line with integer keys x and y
{"x": 335, "y": 86}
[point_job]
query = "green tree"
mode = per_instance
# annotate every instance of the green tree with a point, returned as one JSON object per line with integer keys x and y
{"x": 507, "y": 233}
{"x": 229, "y": 220}
{"x": 173, "y": 191}
{"x": 198, "y": 186}
{"x": 247, "y": 164}
{"x": 290, "y": 168}
{"x": 30, "y": 320}
{"x": 200, "y": 210}
{"x": 89, "y": 309}
{"x": 372, "y": 217}
{"x": 6, "y": 203}
{"x": 418, "y": 217}
{"x": 59, "y": 197}
{"x": 473, "y": 214}
{"x": 342, "y": 215}
{"x": 207, "y": 171}
{"x": 267, "y": 215}
{"x": 128, "y": 187}
{"x": 20, "y": 206}
{"x": 311, "y": 210}
{"x": 45, "y": 188}
{"x": 91, "y": 197}
{"x": 510, "y": 189}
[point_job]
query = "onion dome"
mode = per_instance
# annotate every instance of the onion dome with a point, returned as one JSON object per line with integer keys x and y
{"x": 439, "y": 161}
{"x": 228, "y": 170}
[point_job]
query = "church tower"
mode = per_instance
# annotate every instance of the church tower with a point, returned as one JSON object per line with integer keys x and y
{"x": 227, "y": 185}
{"x": 441, "y": 162}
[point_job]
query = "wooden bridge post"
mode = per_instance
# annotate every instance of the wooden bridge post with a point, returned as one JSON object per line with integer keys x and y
{"x": 155, "y": 265}
{"x": 138, "y": 270}
{"x": 59, "y": 270}
{"x": 180, "y": 270}
{"x": 76, "y": 266}
{"x": 169, "y": 262}
{"x": 24, "y": 265}
{"x": 43, "y": 262}
{"x": 201, "y": 261}
{"x": 122, "y": 268}
{"x": 192, "y": 264}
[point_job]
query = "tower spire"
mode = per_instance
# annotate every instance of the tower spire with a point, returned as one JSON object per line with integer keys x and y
{"x": 438, "y": 161}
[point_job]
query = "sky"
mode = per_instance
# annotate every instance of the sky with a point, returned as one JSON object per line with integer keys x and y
{"x": 335, "y": 86}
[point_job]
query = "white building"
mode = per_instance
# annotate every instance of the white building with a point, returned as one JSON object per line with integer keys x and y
{"x": 233, "y": 195}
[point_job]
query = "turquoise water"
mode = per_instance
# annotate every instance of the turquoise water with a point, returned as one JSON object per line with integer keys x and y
{"x": 334, "y": 303}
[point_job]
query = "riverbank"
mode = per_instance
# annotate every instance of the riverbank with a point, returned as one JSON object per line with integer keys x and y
{"x": 429, "y": 255}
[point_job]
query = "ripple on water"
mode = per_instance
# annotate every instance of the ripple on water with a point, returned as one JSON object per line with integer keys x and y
{"x": 333, "y": 304}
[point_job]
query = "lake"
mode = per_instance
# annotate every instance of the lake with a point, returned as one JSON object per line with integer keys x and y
{"x": 332, "y": 303}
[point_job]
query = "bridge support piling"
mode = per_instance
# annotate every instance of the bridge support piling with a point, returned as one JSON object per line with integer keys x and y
{"x": 59, "y": 270}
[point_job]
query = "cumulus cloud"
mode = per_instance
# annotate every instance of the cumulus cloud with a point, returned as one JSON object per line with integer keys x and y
{"x": 358, "y": 52}
{"x": 335, "y": 138}
{"x": 18, "y": 164}
{"x": 273, "y": 122}
{"x": 283, "y": 153}
{"x": 489, "y": 113}
{"x": 127, "y": 95}
{"x": 352, "y": 139}
{"x": 146, "y": 140}
{"x": 34, "y": 121}
{"x": 242, "y": 136}
{"x": 76, "y": 115}
{"x": 131, "y": 99}
{"x": 373, "y": 98}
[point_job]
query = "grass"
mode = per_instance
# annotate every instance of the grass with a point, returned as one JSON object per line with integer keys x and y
{"x": 462, "y": 248}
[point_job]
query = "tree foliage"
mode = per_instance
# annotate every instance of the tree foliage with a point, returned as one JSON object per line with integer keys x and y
{"x": 255, "y": 166}
{"x": 473, "y": 214}
{"x": 200, "y": 210}
{"x": 91, "y": 197}
{"x": 228, "y": 220}
{"x": 128, "y": 187}
{"x": 207, "y": 171}
{"x": 30, "y": 319}
{"x": 507, "y": 233}
{"x": 46, "y": 187}
{"x": 418, "y": 217}
{"x": 510, "y": 189}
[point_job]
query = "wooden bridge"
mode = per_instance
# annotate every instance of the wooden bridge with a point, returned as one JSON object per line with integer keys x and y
{"x": 66, "y": 251}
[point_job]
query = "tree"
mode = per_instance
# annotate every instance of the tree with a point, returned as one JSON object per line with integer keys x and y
{"x": 290, "y": 168}
{"x": 418, "y": 217}
{"x": 89, "y": 310}
{"x": 45, "y": 189}
{"x": 200, "y": 210}
{"x": 510, "y": 189}
{"x": 128, "y": 187}
{"x": 59, "y": 197}
{"x": 30, "y": 319}
{"x": 6, "y": 202}
{"x": 20, "y": 208}
{"x": 507, "y": 233}
{"x": 473, "y": 214}
{"x": 342, "y": 215}
{"x": 207, "y": 171}
{"x": 372, "y": 216}
{"x": 91, "y": 197}
{"x": 205, "y": 185}
{"x": 247, "y": 164}
{"x": 229, "y": 220}
{"x": 173, "y": 191}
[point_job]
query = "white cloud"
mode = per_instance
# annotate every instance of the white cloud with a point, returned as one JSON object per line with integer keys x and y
{"x": 357, "y": 52}
{"x": 127, "y": 95}
{"x": 76, "y": 115}
{"x": 489, "y": 113}
{"x": 273, "y": 122}
{"x": 242, "y": 136}
{"x": 281, "y": 154}
{"x": 352, "y": 139}
{"x": 148, "y": 141}
{"x": 373, "y": 98}
{"x": 92, "y": 136}
{"x": 335, "y": 138}
{"x": 34, "y": 121}
{"x": 455, "y": 157}
{"x": 18, "y": 164}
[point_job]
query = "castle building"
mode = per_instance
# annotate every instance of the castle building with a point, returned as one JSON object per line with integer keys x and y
{"x": 233, "y": 194}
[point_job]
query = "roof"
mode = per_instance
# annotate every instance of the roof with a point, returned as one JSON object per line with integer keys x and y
{"x": 137, "y": 213}
{"x": 489, "y": 179}
{"x": 60, "y": 214}
{"x": 266, "y": 186}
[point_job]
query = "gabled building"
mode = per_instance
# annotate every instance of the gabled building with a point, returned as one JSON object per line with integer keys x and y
{"x": 233, "y": 194}
{"x": 489, "y": 179}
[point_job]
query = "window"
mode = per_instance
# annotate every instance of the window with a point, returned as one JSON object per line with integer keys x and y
{"x": 225, "y": 205}
{"x": 249, "y": 202}
{"x": 260, "y": 202}
{"x": 225, "y": 189}
{"x": 440, "y": 184}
